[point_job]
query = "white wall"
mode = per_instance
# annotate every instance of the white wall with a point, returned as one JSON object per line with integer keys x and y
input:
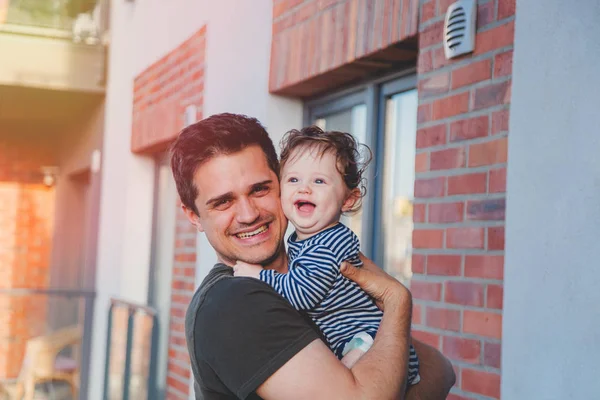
{"x": 236, "y": 80}
{"x": 551, "y": 331}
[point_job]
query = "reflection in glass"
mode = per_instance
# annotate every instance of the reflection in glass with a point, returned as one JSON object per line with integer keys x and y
{"x": 353, "y": 121}
{"x": 398, "y": 183}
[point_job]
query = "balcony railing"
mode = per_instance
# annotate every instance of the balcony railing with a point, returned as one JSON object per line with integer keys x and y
{"x": 83, "y": 20}
{"x": 130, "y": 368}
{"x": 45, "y": 333}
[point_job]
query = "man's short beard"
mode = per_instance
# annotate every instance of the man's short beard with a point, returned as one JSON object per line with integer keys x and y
{"x": 274, "y": 256}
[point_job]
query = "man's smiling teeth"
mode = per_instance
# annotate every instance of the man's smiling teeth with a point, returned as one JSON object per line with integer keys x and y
{"x": 255, "y": 232}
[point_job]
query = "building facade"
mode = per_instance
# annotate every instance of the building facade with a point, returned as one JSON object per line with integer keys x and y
{"x": 482, "y": 194}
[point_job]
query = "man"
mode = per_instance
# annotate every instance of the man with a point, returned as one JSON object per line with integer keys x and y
{"x": 244, "y": 340}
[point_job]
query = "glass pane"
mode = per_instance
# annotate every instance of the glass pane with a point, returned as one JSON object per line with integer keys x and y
{"x": 398, "y": 183}
{"x": 353, "y": 121}
{"x": 161, "y": 269}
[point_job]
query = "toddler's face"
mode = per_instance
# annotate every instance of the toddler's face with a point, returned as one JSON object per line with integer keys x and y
{"x": 313, "y": 193}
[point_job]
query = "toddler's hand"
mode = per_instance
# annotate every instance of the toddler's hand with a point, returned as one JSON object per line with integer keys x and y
{"x": 244, "y": 269}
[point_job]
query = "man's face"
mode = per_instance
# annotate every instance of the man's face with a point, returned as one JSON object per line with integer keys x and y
{"x": 239, "y": 207}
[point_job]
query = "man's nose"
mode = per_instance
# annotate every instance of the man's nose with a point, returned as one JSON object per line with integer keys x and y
{"x": 247, "y": 211}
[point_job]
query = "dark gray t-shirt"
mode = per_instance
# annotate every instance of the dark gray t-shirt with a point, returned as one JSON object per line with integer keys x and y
{"x": 239, "y": 331}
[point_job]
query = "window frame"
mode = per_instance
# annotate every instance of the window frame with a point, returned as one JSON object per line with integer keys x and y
{"x": 373, "y": 93}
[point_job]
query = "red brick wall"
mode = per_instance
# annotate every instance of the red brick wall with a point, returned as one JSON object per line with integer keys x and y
{"x": 161, "y": 95}
{"x": 460, "y": 194}
{"x": 163, "y": 91}
{"x": 313, "y": 38}
{"x": 26, "y": 223}
{"x": 184, "y": 271}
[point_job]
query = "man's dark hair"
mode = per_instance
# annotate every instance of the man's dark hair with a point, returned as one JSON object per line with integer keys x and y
{"x": 220, "y": 134}
{"x": 351, "y": 164}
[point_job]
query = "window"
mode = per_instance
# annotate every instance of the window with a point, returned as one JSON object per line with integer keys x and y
{"x": 161, "y": 267}
{"x": 383, "y": 115}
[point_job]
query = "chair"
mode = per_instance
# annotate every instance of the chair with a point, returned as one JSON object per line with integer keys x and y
{"x": 42, "y": 362}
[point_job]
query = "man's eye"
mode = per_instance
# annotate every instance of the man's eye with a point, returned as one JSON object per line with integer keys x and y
{"x": 260, "y": 190}
{"x": 293, "y": 180}
{"x": 319, "y": 181}
{"x": 222, "y": 203}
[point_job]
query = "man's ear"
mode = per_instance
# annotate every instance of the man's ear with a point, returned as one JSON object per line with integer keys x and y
{"x": 193, "y": 218}
{"x": 351, "y": 200}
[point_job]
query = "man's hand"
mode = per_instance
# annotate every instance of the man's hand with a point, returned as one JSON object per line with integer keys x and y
{"x": 385, "y": 290}
{"x": 244, "y": 269}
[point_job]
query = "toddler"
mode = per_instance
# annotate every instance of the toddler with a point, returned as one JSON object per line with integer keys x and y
{"x": 321, "y": 178}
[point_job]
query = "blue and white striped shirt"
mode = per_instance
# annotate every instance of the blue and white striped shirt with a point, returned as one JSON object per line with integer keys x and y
{"x": 315, "y": 284}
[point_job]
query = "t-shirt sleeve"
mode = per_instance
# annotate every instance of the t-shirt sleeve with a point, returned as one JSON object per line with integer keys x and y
{"x": 245, "y": 332}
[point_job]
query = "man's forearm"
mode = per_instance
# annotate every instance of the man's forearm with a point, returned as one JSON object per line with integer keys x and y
{"x": 381, "y": 373}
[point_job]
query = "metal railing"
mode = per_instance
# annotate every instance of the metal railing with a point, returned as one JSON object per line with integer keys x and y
{"x": 40, "y": 318}
{"x": 114, "y": 378}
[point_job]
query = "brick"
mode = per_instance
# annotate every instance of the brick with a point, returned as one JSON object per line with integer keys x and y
{"x": 419, "y": 211}
{"x": 279, "y": 8}
{"x": 500, "y": 121}
{"x": 447, "y": 159}
{"x": 472, "y": 73}
{"x": 469, "y": 128}
{"x": 496, "y": 38}
{"x": 484, "y": 266}
{"x": 495, "y": 238}
{"x": 425, "y": 62}
{"x": 177, "y": 384}
{"x": 186, "y": 257}
{"x": 503, "y": 64}
{"x": 494, "y": 297}
{"x": 418, "y": 263}
{"x": 428, "y": 238}
{"x": 450, "y": 106}
{"x": 432, "y": 187}
{"x": 434, "y": 85}
{"x": 488, "y": 153}
{"x": 485, "y": 14}
{"x": 497, "y": 180}
{"x": 440, "y": 61}
{"x": 442, "y": 213}
{"x": 492, "y": 95}
{"x": 466, "y": 350}
{"x": 323, "y": 4}
{"x": 428, "y": 11}
{"x": 426, "y": 337}
{"x": 431, "y": 136}
{"x": 486, "y": 210}
{"x": 506, "y": 8}
{"x": 465, "y": 238}
{"x": 481, "y": 382}
{"x": 422, "y": 290}
{"x": 304, "y": 12}
{"x": 421, "y": 162}
{"x": 464, "y": 293}
{"x": 293, "y": 3}
{"x": 443, "y": 6}
{"x": 467, "y": 184}
{"x": 443, "y": 318}
{"x": 417, "y": 314}
{"x": 444, "y": 264}
{"x": 492, "y": 354}
{"x": 482, "y": 323}
{"x": 424, "y": 113}
{"x": 431, "y": 35}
